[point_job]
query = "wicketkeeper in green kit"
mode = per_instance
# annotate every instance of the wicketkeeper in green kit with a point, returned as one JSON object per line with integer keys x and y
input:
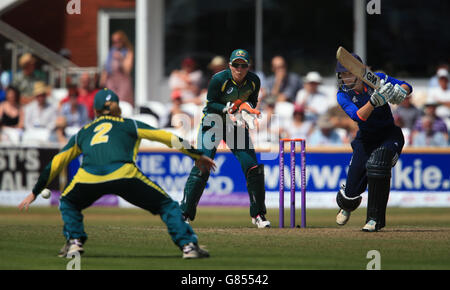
{"x": 109, "y": 146}
{"x": 229, "y": 114}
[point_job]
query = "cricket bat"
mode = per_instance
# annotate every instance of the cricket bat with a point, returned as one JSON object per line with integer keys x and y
{"x": 357, "y": 68}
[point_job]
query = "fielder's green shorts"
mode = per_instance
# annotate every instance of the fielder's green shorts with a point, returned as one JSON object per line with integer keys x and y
{"x": 132, "y": 185}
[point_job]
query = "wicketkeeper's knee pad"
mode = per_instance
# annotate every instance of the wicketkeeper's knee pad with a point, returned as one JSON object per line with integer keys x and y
{"x": 345, "y": 202}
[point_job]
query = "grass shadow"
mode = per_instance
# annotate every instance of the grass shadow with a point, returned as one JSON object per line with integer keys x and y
{"x": 133, "y": 256}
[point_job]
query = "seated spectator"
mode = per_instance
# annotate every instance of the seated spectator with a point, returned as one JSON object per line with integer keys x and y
{"x": 58, "y": 134}
{"x": 324, "y": 134}
{"x": 11, "y": 117}
{"x": 119, "y": 65}
{"x": 176, "y": 108}
{"x": 40, "y": 113}
{"x": 438, "y": 125}
{"x": 217, "y": 64}
{"x": 10, "y": 110}
{"x": 408, "y": 113}
{"x": 314, "y": 101}
{"x": 75, "y": 114}
{"x": 25, "y": 79}
{"x": 282, "y": 85}
{"x": 398, "y": 121}
{"x": 341, "y": 121}
{"x": 433, "y": 83}
{"x": 428, "y": 136}
{"x": 188, "y": 80}
{"x": 441, "y": 95}
{"x": 300, "y": 127}
{"x": 86, "y": 93}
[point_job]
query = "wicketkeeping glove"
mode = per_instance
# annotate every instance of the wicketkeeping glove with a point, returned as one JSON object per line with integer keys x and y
{"x": 232, "y": 107}
{"x": 399, "y": 95}
{"x": 249, "y": 115}
{"x": 382, "y": 95}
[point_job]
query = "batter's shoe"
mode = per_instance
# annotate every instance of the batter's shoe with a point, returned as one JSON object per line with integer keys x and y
{"x": 261, "y": 222}
{"x": 193, "y": 251}
{"x": 371, "y": 226}
{"x": 342, "y": 217}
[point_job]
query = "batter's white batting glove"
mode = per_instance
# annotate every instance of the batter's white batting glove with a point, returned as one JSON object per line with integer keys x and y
{"x": 399, "y": 95}
{"x": 382, "y": 95}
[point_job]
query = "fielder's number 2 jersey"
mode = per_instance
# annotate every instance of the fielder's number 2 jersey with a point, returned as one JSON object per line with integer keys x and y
{"x": 106, "y": 144}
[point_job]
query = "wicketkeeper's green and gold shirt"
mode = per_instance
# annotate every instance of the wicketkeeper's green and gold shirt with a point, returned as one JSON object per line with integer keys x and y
{"x": 223, "y": 89}
{"x": 108, "y": 143}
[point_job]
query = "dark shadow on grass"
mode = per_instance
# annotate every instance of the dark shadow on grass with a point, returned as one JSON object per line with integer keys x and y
{"x": 414, "y": 230}
{"x": 134, "y": 256}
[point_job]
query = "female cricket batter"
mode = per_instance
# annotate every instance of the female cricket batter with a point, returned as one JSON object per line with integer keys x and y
{"x": 376, "y": 147}
{"x": 109, "y": 146}
{"x": 232, "y": 92}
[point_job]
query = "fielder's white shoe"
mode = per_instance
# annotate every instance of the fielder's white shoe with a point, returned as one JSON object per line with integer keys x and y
{"x": 371, "y": 226}
{"x": 261, "y": 222}
{"x": 342, "y": 217}
{"x": 70, "y": 249}
{"x": 193, "y": 251}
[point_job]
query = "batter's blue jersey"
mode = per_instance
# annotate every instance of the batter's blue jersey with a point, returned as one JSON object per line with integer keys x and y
{"x": 381, "y": 117}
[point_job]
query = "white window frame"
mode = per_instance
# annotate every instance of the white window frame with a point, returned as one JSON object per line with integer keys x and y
{"x": 103, "y": 18}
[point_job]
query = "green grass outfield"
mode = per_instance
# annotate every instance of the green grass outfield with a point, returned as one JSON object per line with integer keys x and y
{"x": 415, "y": 238}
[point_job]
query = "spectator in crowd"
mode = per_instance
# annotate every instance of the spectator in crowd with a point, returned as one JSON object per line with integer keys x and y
{"x": 11, "y": 116}
{"x": 282, "y": 85}
{"x": 10, "y": 110}
{"x": 340, "y": 120}
{"x": 408, "y": 112}
{"x": 176, "y": 108}
{"x": 217, "y": 64}
{"x": 25, "y": 79}
{"x": 86, "y": 93}
{"x": 441, "y": 95}
{"x": 75, "y": 114}
{"x": 314, "y": 101}
{"x": 300, "y": 127}
{"x": 434, "y": 79}
{"x": 438, "y": 125}
{"x": 40, "y": 113}
{"x": 398, "y": 121}
{"x": 58, "y": 134}
{"x": 325, "y": 134}
{"x": 428, "y": 136}
{"x": 3, "y": 84}
{"x": 117, "y": 73}
{"x": 269, "y": 130}
{"x": 188, "y": 80}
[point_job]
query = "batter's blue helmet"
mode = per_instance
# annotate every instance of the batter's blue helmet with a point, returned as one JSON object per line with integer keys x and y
{"x": 340, "y": 68}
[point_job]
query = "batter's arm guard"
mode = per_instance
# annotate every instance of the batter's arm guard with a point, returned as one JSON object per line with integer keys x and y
{"x": 145, "y": 131}
{"x": 59, "y": 161}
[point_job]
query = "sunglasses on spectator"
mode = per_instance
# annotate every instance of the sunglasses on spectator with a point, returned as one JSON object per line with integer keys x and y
{"x": 238, "y": 65}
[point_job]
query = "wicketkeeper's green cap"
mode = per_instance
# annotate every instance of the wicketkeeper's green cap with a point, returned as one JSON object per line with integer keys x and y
{"x": 240, "y": 54}
{"x": 103, "y": 96}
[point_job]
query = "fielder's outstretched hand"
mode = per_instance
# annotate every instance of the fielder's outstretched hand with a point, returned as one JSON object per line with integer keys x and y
{"x": 27, "y": 201}
{"x": 205, "y": 164}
